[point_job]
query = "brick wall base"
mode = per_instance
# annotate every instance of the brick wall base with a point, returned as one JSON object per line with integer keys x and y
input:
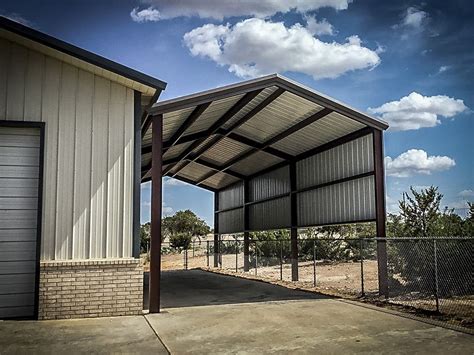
{"x": 91, "y": 288}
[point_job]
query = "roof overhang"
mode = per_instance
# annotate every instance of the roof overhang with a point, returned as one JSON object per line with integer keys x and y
{"x": 79, "y": 57}
{"x": 217, "y": 137}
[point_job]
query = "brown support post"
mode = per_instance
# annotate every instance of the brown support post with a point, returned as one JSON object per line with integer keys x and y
{"x": 294, "y": 223}
{"x": 380, "y": 212}
{"x": 246, "y": 227}
{"x": 156, "y": 201}
{"x": 216, "y": 229}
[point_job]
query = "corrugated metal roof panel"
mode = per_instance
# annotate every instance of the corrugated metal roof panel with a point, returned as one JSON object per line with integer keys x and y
{"x": 284, "y": 112}
{"x": 175, "y": 150}
{"x": 251, "y": 105}
{"x": 194, "y": 171}
{"x": 255, "y": 163}
{"x": 220, "y": 180}
{"x": 326, "y": 129}
{"x": 173, "y": 120}
{"x": 177, "y": 167}
{"x": 225, "y": 150}
{"x": 212, "y": 114}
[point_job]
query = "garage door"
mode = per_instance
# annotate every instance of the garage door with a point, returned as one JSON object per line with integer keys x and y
{"x": 19, "y": 186}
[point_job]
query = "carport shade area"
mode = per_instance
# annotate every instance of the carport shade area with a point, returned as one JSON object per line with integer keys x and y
{"x": 276, "y": 154}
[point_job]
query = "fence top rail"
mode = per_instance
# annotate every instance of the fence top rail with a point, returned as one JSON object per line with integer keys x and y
{"x": 403, "y": 239}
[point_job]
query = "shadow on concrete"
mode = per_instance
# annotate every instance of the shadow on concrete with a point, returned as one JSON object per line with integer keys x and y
{"x": 190, "y": 288}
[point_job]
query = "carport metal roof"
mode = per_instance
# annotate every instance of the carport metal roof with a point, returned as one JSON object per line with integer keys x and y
{"x": 217, "y": 137}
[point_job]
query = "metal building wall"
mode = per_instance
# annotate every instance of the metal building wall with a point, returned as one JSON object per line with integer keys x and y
{"x": 88, "y": 172}
{"x": 326, "y": 191}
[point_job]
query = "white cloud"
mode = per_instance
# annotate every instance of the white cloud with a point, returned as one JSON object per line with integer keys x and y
{"x": 417, "y": 111}
{"x": 413, "y": 18}
{"x": 166, "y": 210}
{"x": 167, "y": 181}
{"x": 416, "y": 161}
{"x": 145, "y": 15}
{"x": 220, "y": 9}
{"x": 443, "y": 68}
{"x": 467, "y": 193}
{"x": 256, "y": 47}
{"x": 319, "y": 28}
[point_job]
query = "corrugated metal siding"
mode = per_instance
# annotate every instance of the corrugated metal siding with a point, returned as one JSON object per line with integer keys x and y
{"x": 212, "y": 114}
{"x": 346, "y": 202}
{"x": 318, "y": 133}
{"x": 87, "y": 206}
{"x": 274, "y": 183}
{"x": 274, "y": 214}
{"x": 255, "y": 163}
{"x": 284, "y": 112}
{"x": 349, "y": 159}
{"x": 224, "y": 151}
{"x": 233, "y": 196}
{"x": 231, "y": 221}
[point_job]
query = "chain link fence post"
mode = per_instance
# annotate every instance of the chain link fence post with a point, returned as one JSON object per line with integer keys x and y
{"x": 281, "y": 260}
{"x": 361, "y": 246}
{"x": 436, "y": 289}
{"x": 207, "y": 252}
{"x": 256, "y": 257}
{"x": 314, "y": 263}
{"x": 236, "y": 255}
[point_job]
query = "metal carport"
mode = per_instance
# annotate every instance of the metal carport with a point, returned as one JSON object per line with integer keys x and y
{"x": 275, "y": 153}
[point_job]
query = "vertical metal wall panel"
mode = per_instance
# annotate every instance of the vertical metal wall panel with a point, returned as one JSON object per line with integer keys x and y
{"x": 274, "y": 183}
{"x": 273, "y": 214}
{"x": 231, "y": 221}
{"x": 345, "y": 202}
{"x": 88, "y": 165}
{"x": 232, "y": 196}
{"x": 346, "y": 160}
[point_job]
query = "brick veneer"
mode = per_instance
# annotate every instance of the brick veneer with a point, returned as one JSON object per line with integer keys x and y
{"x": 91, "y": 288}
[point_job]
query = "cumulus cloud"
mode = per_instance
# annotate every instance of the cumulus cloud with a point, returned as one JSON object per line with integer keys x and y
{"x": 417, "y": 111}
{"x": 416, "y": 161}
{"x": 220, "y": 9}
{"x": 319, "y": 28}
{"x": 256, "y": 47}
{"x": 146, "y": 15}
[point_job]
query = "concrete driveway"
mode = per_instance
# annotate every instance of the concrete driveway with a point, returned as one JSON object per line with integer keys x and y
{"x": 206, "y": 313}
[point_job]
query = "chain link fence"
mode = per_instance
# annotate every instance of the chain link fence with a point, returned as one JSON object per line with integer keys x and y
{"x": 432, "y": 276}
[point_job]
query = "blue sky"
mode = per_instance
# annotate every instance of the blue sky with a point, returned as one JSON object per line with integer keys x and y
{"x": 409, "y": 62}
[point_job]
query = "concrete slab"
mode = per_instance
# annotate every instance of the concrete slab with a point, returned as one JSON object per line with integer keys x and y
{"x": 93, "y": 336}
{"x": 215, "y": 314}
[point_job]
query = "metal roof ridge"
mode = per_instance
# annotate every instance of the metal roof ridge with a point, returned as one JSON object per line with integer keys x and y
{"x": 80, "y": 53}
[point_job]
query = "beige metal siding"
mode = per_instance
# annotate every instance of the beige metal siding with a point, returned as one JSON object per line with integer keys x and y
{"x": 88, "y": 171}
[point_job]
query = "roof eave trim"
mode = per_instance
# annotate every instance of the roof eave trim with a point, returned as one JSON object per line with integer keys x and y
{"x": 81, "y": 54}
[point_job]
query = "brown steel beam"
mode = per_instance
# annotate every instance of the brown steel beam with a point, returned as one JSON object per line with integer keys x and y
{"x": 193, "y": 116}
{"x": 293, "y": 223}
{"x": 260, "y": 146}
{"x": 156, "y": 206}
{"x": 266, "y": 145}
{"x": 246, "y": 226}
{"x": 380, "y": 214}
{"x": 217, "y": 125}
{"x": 216, "y": 230}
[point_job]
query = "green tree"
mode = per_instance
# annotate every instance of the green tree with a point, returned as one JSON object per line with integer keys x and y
{"x": 420, "y": 212}
{"x": 182, "y": 227}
